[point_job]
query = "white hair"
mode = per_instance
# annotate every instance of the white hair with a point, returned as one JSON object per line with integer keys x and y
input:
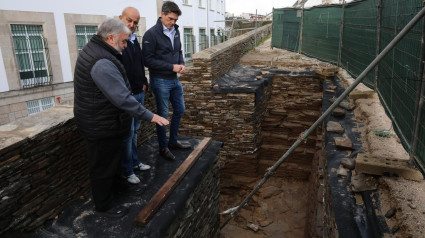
{"x": 112, "y": 26}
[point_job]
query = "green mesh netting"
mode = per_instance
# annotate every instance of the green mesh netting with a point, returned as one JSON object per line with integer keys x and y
{"x": 320, "y": 33}
{"x": 359, "y": 39}
{"x": 286, "y": 28}
{"x": 399, "y": 72}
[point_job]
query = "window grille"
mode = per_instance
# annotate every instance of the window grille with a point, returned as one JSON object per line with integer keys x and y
{"x": 189, "y": 43}
{"x": 213, "y": 38}
{"x": 84, "y": 34}
{"x": 203, "y": 40}
{"x": 31, "y": 55}
{"x": 36, "y": 106}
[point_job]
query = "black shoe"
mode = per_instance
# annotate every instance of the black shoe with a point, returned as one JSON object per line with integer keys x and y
{"x": 179, "y": 146}
{"x": 115, "y": 212}
{"x": 166, "y": 153}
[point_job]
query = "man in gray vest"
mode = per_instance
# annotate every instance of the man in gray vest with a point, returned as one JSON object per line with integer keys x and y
{"x": 103, "y": 107}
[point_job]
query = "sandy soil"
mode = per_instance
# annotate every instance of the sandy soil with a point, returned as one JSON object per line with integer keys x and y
{"x": 279, "y": 210}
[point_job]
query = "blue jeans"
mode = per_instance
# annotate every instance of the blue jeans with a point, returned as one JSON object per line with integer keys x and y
{"x": 129, "y": 145}
{"x": 165, "y": 91}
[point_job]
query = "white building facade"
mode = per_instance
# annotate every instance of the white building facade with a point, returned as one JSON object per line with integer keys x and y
{"x": 40, "y": 41}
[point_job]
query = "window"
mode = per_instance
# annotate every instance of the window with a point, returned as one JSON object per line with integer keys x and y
{"x": 31, "y": 55}
{"x": 212, "y": 5}
{"x": 189, "y": 43}
{"x": 84, "y": 34}
{"x": 39, "y": 105}
{"x": 186, "y": 2}
{"x": 203, "y": 40}
{"x": 202, "y": 3}
{"x": 213, "y": 37}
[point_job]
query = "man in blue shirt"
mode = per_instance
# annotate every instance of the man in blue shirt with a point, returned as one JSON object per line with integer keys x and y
{"x": 135, "y": 70}
{"x": 163, "y": 56}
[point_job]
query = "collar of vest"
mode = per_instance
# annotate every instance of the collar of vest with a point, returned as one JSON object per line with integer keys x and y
{"x": 99, "y": 41}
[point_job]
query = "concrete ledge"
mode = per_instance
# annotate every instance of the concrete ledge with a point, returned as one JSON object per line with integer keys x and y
{"x": 31, "y": 126}
{"x": 372, "y": 164}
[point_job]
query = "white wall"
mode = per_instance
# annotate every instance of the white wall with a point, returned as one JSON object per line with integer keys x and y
{"x": 92, "y": 7}
{"x": 191, "y": 17}
{"x": 195, "y": 17}
{"x": 3, "y": 80}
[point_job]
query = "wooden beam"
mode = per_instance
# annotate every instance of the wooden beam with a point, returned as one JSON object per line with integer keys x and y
{"x": 159, "y": 198}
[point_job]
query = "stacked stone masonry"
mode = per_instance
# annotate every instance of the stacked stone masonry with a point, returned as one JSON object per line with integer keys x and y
{"x": 43, "y": 172}
{"x": 41, "y": 175}
{"x": 200, "y": 216}
{"x": 295, "y": 104}
{"x": 233, "y": 118}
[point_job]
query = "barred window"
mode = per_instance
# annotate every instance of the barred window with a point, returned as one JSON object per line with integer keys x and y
{"x": 203, "y": 40}
{"x": 84, "y": 34}
{"x": 213, "y": 38}
{"x": 189, "y": 43}
{"x": 36, "y": 106}
{"x": 31, "y": 55}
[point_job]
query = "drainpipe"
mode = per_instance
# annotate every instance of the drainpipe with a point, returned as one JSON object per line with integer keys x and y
{"x": 208, "y": 31}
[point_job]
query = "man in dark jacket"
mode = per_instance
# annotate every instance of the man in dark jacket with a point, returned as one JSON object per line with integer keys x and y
{"x": 103, "y": 108}
{"x": 133, "y": 64}
{"x": 163, "y": 56}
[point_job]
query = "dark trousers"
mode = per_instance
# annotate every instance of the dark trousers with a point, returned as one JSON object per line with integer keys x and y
{"x": 104, "y": 159}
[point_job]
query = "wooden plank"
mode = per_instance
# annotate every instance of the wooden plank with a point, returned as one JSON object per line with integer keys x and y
{"x": 159, "y": 198}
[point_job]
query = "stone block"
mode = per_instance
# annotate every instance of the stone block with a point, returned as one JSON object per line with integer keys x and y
{"x": 372, "y": 164}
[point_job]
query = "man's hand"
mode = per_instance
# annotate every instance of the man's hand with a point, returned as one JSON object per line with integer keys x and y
{"x": 160, "y": 120}
{"x": 182, "y": 69}
{"x": 144, "y": 88}
{"x": 179, "y": 68}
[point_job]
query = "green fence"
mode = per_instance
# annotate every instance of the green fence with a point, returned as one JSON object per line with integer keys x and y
{"x": 287, "y": 37}
{"x": 321, "y": 29}
{"x": 359, "y": 41}
{"x": 351, "y": 36}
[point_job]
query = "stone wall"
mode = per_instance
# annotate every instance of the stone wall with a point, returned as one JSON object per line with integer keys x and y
{"x": 200, "y": 217}
{"x": 233, "y": 118}
{"x": 13, "y": 103}
{"x": 295, "y": 104}
{"x": 43, "y": 167}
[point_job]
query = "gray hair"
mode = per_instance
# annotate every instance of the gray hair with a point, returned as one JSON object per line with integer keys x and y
{"x": 112, "y": 26}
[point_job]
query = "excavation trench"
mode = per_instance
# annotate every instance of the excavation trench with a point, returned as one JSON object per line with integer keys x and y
{"x": 286, "y": 204}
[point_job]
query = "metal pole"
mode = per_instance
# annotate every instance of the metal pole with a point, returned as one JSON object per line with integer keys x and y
{"x": 378, "y": 42}
{"x": 300, "y": 44}
{"x": 341, "y": 32}
{"x": 306, "y": 133}
{"x": 255, "y": 31}
{"x": 419, "y": 102}
{"x": 271, "y": 45}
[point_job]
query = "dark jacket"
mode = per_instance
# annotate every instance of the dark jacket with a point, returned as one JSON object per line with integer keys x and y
{"x": 158, "y": 53}
{"x": 95, "y": 116}
{"x": 133, "y": 64}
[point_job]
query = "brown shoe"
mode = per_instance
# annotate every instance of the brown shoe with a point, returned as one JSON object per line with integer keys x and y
{"x": 179, "y": 146}
{"x": 166, "y": 153}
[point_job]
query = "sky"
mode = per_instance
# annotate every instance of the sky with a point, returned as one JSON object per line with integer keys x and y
{"x": 263, "y": 6}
